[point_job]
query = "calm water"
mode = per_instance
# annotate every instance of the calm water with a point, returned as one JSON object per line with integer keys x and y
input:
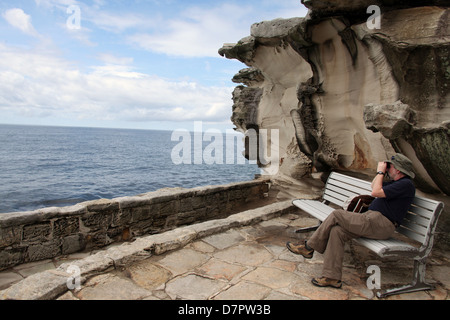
{"x": 61, "y": 166}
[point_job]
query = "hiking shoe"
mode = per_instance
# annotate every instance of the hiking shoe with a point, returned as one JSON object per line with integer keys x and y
{"x": 300, "y": 249}
{"x": 326, "y": 282}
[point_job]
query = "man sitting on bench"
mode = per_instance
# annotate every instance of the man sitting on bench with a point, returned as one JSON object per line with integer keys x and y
{"x": 385, "y": 213}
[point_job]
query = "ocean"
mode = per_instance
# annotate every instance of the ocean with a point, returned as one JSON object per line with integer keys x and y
{"x": 43, "y": 166}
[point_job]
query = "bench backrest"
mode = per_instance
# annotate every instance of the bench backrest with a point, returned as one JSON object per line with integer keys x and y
{"x": 420, "y": 222}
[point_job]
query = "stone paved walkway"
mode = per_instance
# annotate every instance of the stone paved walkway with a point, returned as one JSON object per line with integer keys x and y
{"x": 242, "y": 257}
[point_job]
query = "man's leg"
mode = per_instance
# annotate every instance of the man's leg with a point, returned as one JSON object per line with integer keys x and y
{"x": 371, "y": 224}
{"x": 334, "y": 253}
{"x": 330, "y": 239}
{"x": 319, "y": 239}
{"x": 339, "y": 227}
{"x": 353, "y": 223}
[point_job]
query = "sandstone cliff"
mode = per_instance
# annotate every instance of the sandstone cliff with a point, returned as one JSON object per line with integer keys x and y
{"x": 347, "y": 89}
{"x": 345, "y": 96}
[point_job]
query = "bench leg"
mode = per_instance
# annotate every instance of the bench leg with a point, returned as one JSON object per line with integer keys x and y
{"x": 418, "y": 283}
{"x": 307, "y": 229}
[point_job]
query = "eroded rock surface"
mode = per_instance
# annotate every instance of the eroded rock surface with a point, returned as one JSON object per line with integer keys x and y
{"x": 344, "y": 95}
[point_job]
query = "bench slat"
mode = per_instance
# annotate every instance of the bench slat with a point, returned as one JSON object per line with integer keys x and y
{"x": 413, "y": 231}
{"x": 388, "y": 247}
{"x": 342, "y": 191}
{"x": 317, "y": 209}
{"x": 371, "y": 244}
{"x": 317, "y": 206}
{"x": 417, "y": 219}
{"x": 338, "y": 198}
{"x": 333, "y": 200}
{"x": 353, "y": 189}
{"x": 421, "y": 211}
{"x": 411, "y": 234}
{"x": 415, "y": 227}
{"x": 350, "y": 180}
{"x": 426, "y": 203}
{"x": 340, "y": 187}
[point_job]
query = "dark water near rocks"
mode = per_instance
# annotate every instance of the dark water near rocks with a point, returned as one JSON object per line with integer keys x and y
{"x": 60, "y": 166}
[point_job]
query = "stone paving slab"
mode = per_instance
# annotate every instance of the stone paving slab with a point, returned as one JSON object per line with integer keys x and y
{"x": 111, "y": 287}
{"x": 242, "y": 257}
{"x": 194, "y": 287}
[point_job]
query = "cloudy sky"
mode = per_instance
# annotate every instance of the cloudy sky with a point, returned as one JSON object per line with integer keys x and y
{"x": 147, "y": 64}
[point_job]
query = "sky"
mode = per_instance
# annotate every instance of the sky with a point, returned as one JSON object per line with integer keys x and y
{"x": 141, "y": 64}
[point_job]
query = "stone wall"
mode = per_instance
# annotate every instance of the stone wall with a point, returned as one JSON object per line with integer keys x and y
{"x": 51, "y": 232}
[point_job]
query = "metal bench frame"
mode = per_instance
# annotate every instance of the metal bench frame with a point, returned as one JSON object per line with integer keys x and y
{"x": 419, "y": 225}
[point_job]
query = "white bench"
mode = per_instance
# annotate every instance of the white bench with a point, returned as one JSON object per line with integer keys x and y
{"x": 419, "y": 225}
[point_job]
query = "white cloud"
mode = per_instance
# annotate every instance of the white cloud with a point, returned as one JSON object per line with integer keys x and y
{"x": 110, "y": 59}
{"x": 42, "y": 85}
{"x": 20, "y": 20}
{"x": 62, "y": 4}
{"x": 198, "y": 32}
{"x": 117, "y": 22}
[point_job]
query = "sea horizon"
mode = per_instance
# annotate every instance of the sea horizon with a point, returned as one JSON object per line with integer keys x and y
{"x": 56, "y": 166}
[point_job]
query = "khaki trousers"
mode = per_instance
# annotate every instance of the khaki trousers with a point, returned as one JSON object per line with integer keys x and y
{"x": 341, "y": 226}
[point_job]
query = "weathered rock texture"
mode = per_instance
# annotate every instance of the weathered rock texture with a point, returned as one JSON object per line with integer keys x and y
{"x": 345, "y": 95}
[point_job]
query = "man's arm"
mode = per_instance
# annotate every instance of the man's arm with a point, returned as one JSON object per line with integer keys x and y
{"x": 377, "y": 183}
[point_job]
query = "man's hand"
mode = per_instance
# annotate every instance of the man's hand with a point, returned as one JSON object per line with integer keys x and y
{"x": 382, "y": 166}
{"x": 377, "y": 183}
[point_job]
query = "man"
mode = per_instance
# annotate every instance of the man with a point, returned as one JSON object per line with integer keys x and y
{"x": 386, "y": 212}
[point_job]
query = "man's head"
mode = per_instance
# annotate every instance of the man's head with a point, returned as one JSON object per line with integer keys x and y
{"x": 401, "y": 163}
